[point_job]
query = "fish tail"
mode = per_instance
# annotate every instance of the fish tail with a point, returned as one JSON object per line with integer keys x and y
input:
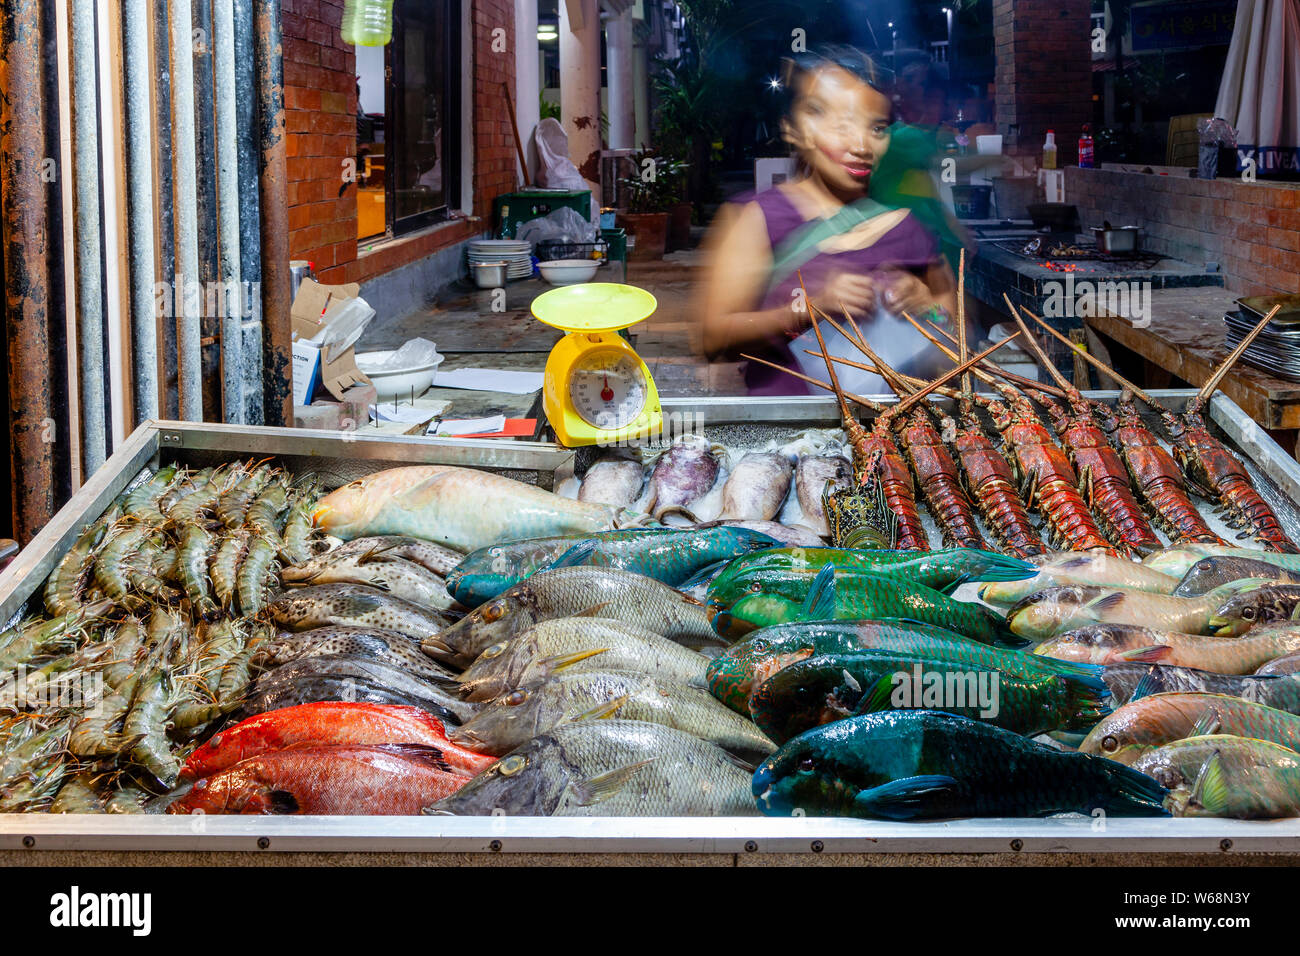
{"x": 988, "y": 566}
{"x": 1132, "y": 794}
{"x": 1089, "y": 700}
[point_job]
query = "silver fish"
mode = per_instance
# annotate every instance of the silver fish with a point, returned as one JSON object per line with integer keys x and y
{"x": 377, "y": 644}
{"x": 1220, "y": 775}
{"x": 323, "y": 605}
{"x": 1060, "y": 570}
{"x": 613, "y": 481}
{"x": 682, "y": 475}
{"x": 811, "y": 477}
{"x": 569, "y": 592}
{"x": 1282, "y": 665}
{"x": 574, "y": 644}
{"x": 606, "y": 768}
{"x": 756, "y": 488}
{"x": 435, "y": 557}
{"x": 396, "y": 576}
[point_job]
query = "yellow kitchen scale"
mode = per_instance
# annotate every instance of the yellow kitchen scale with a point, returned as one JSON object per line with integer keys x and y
{"x": 596, "y": 388}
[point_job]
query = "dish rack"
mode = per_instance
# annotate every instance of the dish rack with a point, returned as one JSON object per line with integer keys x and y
{"x": 550, "y": 250}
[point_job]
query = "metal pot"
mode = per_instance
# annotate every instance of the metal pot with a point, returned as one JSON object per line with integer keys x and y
{"x": 1123, "y": 239}
{"x": 490, "y": 275}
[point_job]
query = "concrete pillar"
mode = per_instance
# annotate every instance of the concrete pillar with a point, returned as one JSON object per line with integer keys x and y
{"x": 620, "y": 53}
{"x": 527, "y": 83}
{"x": 641, "y": 90}
{"x": 580, "y": 86}
{"x": 1044, "y": 73}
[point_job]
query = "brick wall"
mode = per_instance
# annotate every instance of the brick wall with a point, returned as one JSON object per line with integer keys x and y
{"x": 1251, "y": 229}
{"x": 1043, "y": 78}
{"x": 320, "y": 104}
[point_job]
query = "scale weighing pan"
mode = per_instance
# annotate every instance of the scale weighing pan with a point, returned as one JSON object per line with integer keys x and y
{"x": 594, "y": 307}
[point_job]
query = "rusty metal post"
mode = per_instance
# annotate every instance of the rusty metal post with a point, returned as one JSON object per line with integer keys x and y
{"x": 23, "y": 196}
{"x": 277, "y": 370}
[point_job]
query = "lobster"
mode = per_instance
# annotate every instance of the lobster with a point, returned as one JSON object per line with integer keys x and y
{"x": 1210, "y": 469}
{"x": 1103, "y": 477}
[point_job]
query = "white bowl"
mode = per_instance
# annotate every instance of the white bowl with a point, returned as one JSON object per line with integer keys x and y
{"x": 568, "y": 271}
{"x": 397, "y": 383}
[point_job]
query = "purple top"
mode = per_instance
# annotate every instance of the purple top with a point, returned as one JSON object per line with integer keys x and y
{"x": 908, "y": 245}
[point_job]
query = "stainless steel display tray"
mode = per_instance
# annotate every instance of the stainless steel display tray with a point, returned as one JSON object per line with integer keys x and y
{"x": 346, "y": 457}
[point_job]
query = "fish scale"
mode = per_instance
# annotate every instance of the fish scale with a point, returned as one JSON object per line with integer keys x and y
{"x": 1281, "y": 692}
{"x": 325, "y": 605}
{"x": 1118, "y": 643}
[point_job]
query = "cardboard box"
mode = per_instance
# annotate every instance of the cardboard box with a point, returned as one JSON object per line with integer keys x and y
{"x": 314, "y": 307}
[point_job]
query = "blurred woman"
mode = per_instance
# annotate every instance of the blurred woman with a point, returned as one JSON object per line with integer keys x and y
{"x": 853, "y": 253}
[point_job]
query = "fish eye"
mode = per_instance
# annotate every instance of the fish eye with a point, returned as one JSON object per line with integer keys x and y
{"x": 512, "y": 765}
{"x": 760, "y": 645}
{"x": 1109, "y": 744}
{"x": 494, "y": 552}
{"x": 804, "y": 692}
{"x": 494, "y": 651}
{"x": 755, "y": 587}
{"x": 1248, "y": 613}
{"x": 494, "y": 611}
{"x": 806, "y": 765}
{"x": 1067, "y": 639}
{"x": 516, "y": 698}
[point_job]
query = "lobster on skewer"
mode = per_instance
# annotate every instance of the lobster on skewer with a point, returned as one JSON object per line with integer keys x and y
{"x": 1047, "y": 479}
{"x": 1210, "y": 469}
{"x": 1103, "y": 476}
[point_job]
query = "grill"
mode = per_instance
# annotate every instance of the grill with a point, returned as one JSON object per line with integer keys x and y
{"x": 1084, "y": 255}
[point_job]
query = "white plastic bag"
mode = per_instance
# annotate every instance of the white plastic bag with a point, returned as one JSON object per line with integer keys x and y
{"x": 414, "y": 353}
{"x": 344, "y": 328}
{"x": 562, "y": 225}
{"x": 555, "y": 169}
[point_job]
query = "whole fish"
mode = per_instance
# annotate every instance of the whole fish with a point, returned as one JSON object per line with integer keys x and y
{"x": 501, "y": 726}
{"x": 609, "y": 768}
{"x": 1266, "y": 604}
{"x": 462, "y": 508}
{"x": 348, "y": 678}
{"x": 832, "y": 687}
{"x": 815, "y": 476}
{"x": 374, "y": 643}
{"x": 328, "y": 723}
{"x": 1120, "y": 643}
{"x": 757, "y": 487}
{"x": 1057, "y": 609}
{"x": 940, "y": 570}
{"x": 737, "y": 671}
{"x": 670, "y": 555}
{"x": 1149, "y": 722}
{"x": 433, "y": 557}
{"x": 1216, "y": 571}
{"x": 355, "y": 780}
{"x": 682, "y": 475}
{"x": 570, "y": 592}
{"x": 913, "y": 765}
{"x": 613, "y": 481}
{"x": 866, "y": 596}
{"x": 1224, "y": 776}
{"x": 1128, "y": 682}
{"x": 790, "y": 535}
{"x": 571, "y": 644}
{"x": 396, "y": 576}
{"x": 1282, "y": 666}
{"x": 1090, "y": 568}
{"x": 354, "y": 605}
{"x": 1178, "y": 561}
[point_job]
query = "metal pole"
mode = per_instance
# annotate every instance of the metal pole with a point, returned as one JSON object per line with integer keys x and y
{"x": 227, "y": 143}
{"x": 139, "y": 174}
{"x": 276, "y": 348}
{"x": 168, "y": 397}
{"x": 189, "y": 369}
{"x": 250, "y": 241}
{"x": 90, "y": 276}
{"x": 26, "y": 280}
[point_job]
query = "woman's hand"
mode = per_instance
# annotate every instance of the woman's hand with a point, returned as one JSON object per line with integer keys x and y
{"x": 904, "y": 292}
{"x": 852, "y": 291}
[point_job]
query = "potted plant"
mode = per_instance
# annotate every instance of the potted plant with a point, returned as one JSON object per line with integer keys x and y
{"x": 650, "y": 194}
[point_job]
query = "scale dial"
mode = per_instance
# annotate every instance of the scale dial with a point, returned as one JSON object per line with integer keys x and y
{"x": 608, "y": 389}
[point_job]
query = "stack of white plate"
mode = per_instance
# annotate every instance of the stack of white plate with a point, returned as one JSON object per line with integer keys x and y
{"x": 516, "y": 255}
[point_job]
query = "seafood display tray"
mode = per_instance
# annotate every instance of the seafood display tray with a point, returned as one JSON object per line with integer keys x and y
{"x": 738, "y": 421}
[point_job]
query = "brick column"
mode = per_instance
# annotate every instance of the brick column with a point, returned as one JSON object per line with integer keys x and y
{"x": 1044, "y": 74}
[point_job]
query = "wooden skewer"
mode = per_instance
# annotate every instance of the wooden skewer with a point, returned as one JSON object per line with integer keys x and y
{"x": 864, "y": 402}
{"x": 961, "y": 315}
{"x": 952, "y": 373}
{"x": 1097, "y": 363}
{"x": 830, "y": 366}
{"x": 1046, "y": 362}
{"x": 1208, "y": 388}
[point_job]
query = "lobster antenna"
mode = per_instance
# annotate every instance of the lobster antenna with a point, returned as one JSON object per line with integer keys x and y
{"x": 947, "y": 376}
{"x": 830, "y": 366}
{"x": 864, "y": 402}
{"x": 1046, "y": 362}
{"x": 992, "y": 369}
{"x": 884, "y": 371}
{"x": 1098, "y": 364}
{"x": 908, "y": 381}
{"x": 981, "y": 375}
{"x": 1208, "y": 388}
{"x": 961, "y": 315}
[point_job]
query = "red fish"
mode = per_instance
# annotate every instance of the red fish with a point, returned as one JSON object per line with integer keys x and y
{"x": 329, "y": 723}
{"x": 340, "y": 780}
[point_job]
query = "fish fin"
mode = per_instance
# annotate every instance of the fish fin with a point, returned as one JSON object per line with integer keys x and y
{"x": 1147, "y": 655}
{"x": 907, "y": 797}
{"x": 1148, "y": 685}
{"x": 948, "y": 589}
{"x": 1208, "y": 724}
{"x": 878, "y": 699}
{"x": 603, "y": 786}
{"x": 704, "y": 575}
{"x": 602, "y": 711}
{"x": 282, "y": 801}
{"x": 593, "y": 611}
{"x": 1210, "y": 790}
{"x": 1089, "y": 700}
{"x": 424, "y": 753}
{"x": 557, "y": 662}
{"x": 576, "y": 556}
{"x": 821, "y": 596}
{"x": 1105, "y": 603}
{"x": 1002, "y": 567}
{"x": 740, "y": 762}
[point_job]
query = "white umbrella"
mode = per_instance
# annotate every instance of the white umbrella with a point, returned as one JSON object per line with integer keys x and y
{"x": 1260, "y": 90}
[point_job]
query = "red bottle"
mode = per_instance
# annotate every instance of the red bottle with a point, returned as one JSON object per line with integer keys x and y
{"x": 1085, "y": 148}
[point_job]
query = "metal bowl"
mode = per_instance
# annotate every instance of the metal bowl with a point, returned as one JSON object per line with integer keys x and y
{"x": 1123, "y": 239}
{"x": 490, "y": 275}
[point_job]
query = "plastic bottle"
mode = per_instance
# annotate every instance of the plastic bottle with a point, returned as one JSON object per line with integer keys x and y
{"x": 1049, "y": 150}
{"x": 367, "y": 22}
{"x": 1085, "y": 148}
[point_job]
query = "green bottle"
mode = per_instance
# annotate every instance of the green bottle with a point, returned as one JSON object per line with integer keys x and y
{"x": 367, "y": 22}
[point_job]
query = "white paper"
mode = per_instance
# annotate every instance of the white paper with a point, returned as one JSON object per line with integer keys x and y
{"x": 306, "y": 372}
{"x": 406, "y": 413}
{"x": 451, "y": 427}
{"x": 489, "y": 380}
